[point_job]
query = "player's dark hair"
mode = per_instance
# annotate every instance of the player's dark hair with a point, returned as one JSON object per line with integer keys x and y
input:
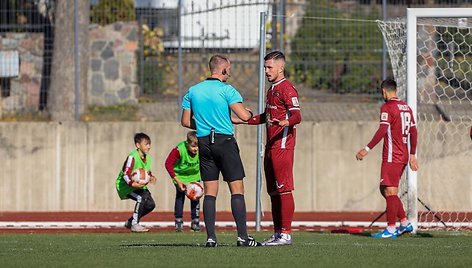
{"x": 138, "y": 137}
{"x": 389, "y": 85}
{"x": 216, "y": 61}
{"x": 275, "y": 55}
{"x": 192, "y": 136}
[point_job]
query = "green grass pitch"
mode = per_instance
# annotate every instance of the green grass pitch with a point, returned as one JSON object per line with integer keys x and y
{"x": 166, "y": 249}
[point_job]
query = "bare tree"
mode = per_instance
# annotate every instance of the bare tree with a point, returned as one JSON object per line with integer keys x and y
{"x": 62, "y": 95}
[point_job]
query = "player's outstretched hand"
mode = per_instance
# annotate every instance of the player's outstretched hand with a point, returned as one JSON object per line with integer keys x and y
{"x": 275, "y": 121}
{"x": 360, "y": 155}
{"x": 414, "y": 162}
{"x": 236, "y": 120}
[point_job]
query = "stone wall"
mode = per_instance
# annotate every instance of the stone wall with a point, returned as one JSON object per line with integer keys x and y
{"x": 113, "y": 64}
{"x": 24, "y": 89}
{"x": 112, "y": 74}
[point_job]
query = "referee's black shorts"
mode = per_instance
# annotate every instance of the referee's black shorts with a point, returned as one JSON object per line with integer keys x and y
{"x": 222, "y": 155}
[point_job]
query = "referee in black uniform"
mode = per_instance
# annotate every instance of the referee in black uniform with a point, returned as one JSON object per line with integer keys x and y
{"x": 207, "y": 108}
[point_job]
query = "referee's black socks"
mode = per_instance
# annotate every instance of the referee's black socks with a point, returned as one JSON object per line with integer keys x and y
{"x": 209, "y": 212}
{"x": 238, "y": 207}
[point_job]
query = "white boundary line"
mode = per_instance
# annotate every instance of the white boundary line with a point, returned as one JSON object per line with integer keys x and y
{"x": 163, "y": 224}
{"x": 93, "y": 225}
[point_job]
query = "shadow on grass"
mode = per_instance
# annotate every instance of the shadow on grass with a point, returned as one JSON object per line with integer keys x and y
{"x": 169, "y": 245}
{"x": 422, "y": 234}
{"x": 368, "y": 234}
{"x": 417, "y": 235}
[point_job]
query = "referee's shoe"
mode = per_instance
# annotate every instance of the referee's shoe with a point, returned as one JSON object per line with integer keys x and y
{"x": 211, "y": 243}
{"x": 249, "y": 242}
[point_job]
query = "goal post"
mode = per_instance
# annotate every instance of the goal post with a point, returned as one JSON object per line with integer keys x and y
{"x": 431, "y": 58}
{"x": 411, "y": 97}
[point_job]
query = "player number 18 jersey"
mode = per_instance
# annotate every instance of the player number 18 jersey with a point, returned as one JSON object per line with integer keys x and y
{"x": 397, "y": 115}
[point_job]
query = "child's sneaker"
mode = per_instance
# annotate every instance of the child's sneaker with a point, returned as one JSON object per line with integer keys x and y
{"x": 195, "y": 225}
{"x": 405, "y": 229}
{"x": 179, "y": 225}
{"x": 386, "y": 234}
{"x": 139, "y": 229}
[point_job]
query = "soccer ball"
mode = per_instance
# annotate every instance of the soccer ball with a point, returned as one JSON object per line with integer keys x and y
{"x": 140, "y": 176}
{"x": 194, "y": 191}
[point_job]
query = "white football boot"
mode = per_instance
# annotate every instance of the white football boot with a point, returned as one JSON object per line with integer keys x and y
{"x": 281, "y": 240}
{"x": 139, "y": 229}
{"x": 271, "y": 239}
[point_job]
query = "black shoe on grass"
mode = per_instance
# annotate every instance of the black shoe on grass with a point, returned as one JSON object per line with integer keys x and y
{"x": 249, "y": 242}
{"x": 195, "y": 225}
{"x": 211, "y": 243}
{"x": 179, "y": 225}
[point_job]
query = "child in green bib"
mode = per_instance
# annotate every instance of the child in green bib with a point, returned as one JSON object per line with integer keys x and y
{"x": 129, "y": 189}
{"x": 183, "y": 166}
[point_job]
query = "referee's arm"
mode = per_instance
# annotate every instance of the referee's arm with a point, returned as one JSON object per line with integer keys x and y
{"x": 243, "y": 113}
{"x": 187, "y": 120}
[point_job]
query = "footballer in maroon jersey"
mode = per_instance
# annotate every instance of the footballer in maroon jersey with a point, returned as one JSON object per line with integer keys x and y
{"x": 282, "y": 113}
{"x": 397, "y": 128}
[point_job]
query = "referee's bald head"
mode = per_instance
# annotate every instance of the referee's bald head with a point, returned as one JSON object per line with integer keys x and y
{"x": 218, "y": 63}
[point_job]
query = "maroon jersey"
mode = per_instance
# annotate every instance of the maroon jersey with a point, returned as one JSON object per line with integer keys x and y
{"x": 281, "y": 101}
{"x": 398, "y": 118}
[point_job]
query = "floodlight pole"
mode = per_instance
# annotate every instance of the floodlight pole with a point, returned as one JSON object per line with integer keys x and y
{"x": 260, "y": 107}
{"x": 281, "y": 14}
{"x": 179, "y": 59}
{"x": 76, "y": 61}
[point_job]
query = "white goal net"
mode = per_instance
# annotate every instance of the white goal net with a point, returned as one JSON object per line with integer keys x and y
{"x": 442, "y": 84}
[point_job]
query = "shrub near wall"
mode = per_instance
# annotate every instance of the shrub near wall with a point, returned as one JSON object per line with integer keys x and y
{"x": 111, "y": 11}
{"x": 340, "y": 56}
